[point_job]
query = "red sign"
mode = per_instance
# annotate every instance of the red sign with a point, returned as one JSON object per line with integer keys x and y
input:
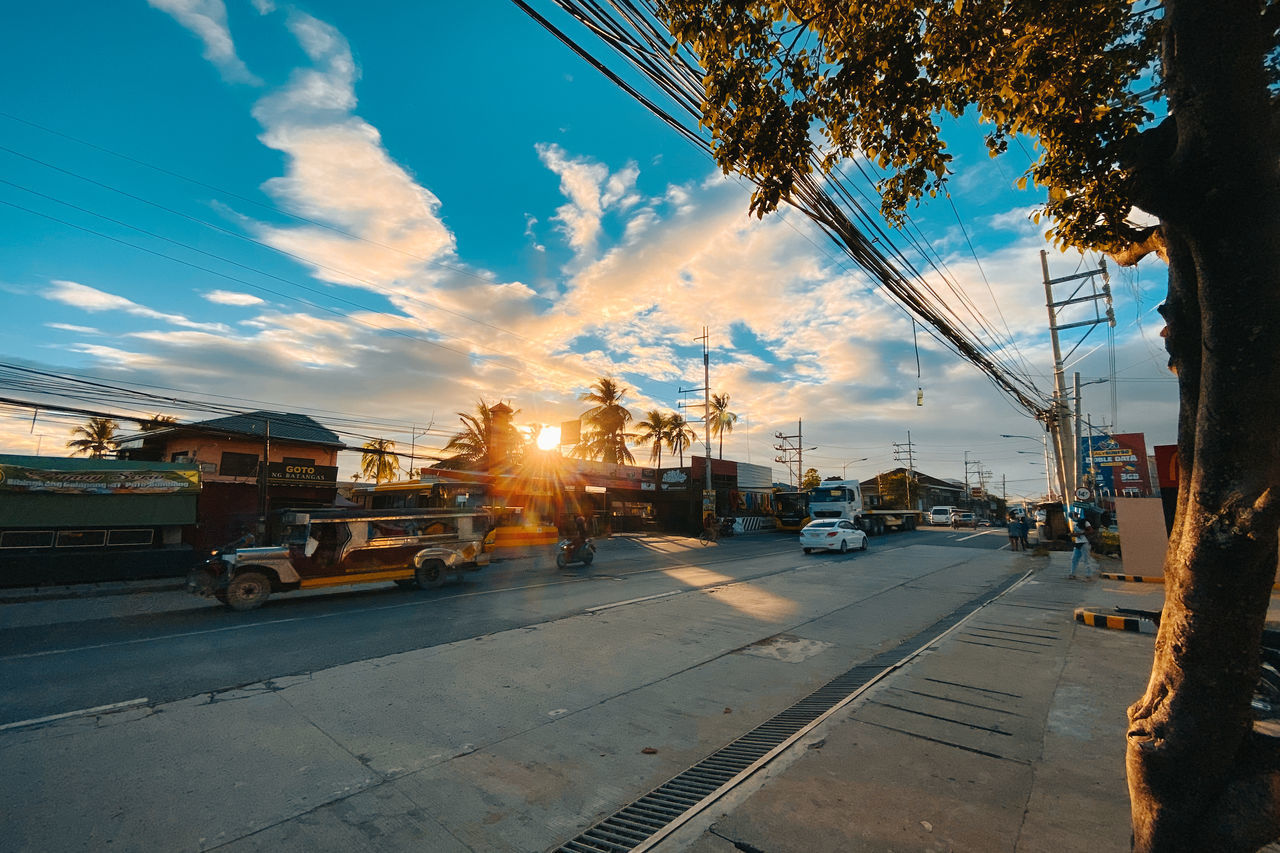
{"x": 1167, "y": 465}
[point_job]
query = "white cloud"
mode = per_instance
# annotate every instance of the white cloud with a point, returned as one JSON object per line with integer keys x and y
{"x": 228, "y": 297}
{"x": 208, "y": 20}
{"x": 93, "y": 300}
{"x": 383, "y": 226}
{"x": 68, "y": 327}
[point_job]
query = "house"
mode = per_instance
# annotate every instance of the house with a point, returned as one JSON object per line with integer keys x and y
{"x": 926, "y": 491}
{"x": 239, "y": 493}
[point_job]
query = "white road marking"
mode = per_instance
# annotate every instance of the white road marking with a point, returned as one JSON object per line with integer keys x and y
{"x": 83, "y": 712}
{"x": 979, "y": 533}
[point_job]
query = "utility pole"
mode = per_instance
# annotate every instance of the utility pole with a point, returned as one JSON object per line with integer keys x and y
{"x": 965, "y": 502}
{"x": 976, "y": 467}
{"x": 908, "y": 449}
{"x": 785, "y": 449}
{"x": 1058, "y": 419}
{"x": 707, "y": 493}
{"x": 1075, "y": 448}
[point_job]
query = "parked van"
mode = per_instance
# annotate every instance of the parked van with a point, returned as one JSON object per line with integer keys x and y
{"x": 336, "y": 547}
{"x": 941, "y": 515}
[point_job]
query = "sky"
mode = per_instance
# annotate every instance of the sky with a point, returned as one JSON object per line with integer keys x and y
{"x": 379, "y": 214}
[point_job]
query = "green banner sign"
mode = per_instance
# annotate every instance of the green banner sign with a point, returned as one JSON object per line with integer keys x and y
{"x": 101, "y": 481}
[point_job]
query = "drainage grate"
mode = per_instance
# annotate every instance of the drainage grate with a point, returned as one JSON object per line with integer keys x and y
{"x": 665, "y": 805}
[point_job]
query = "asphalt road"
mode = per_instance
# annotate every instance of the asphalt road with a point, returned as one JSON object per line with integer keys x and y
{"x": 74, "y": 657}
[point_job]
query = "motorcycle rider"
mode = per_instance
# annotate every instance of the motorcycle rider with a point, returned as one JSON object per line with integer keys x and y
{"x": 579, "y": 536}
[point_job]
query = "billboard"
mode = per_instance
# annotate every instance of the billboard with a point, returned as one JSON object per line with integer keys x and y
{"x": 99, "y": 481}
{"x": 1115, "y": 465}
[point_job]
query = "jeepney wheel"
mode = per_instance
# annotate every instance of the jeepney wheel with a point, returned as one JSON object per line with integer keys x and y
{"x": 247, "y": 591}
{"x": 429, "y": 575}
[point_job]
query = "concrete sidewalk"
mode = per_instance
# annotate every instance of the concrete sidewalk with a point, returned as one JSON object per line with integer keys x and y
{"x": 1006, "y": 735}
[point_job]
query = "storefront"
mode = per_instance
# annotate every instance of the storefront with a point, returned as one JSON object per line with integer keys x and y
{"x": 68, "y": 521}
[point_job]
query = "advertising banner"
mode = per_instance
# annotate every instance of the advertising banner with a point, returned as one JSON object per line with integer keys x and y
{"x": 103, "y": 481}
{"x": 1116, "y": 465}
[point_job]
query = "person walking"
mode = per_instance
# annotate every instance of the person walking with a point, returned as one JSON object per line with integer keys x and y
{"x": 1024, "y": 525}
{"x": 1015, "y": 533}
{"x": 1080, "y": 551}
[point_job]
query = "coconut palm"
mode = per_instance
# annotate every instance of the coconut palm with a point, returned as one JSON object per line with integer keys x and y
{"x": 98, "y": 438}
{"x": 471, "y": 446}
{"x": 157, "y": 422}
{"x": 679, "y": 435}
{"x": 722, "y": 420}
{"x": 652, "y": 433}
{"x": 379, "y": 462}
{"x": 606, "y": 437}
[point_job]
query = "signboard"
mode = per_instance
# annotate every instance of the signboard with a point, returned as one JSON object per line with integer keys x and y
{"x": 101, "y": 481}
{"x": 1167, "y": 465}
{"x": 1116, "y": 465}
{"x": 675, "y": 480}
{"x": 288, "y": 474}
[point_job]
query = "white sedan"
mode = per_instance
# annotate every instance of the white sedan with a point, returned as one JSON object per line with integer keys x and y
{"x": 832, "y": 534}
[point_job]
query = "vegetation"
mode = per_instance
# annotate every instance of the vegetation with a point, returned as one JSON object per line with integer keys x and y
{"x": 679, "y": 435}
{"x": 605, "y": 437}
{"x": 97, "y": 438}
{"x": 157, "y": 422}
{"x": 722, "y": 420}
{"x": 1076, "y": 76}
{"x": 484, "y": 440}
{"x": 379, "y": 462}
{"x": 810, "y": 479}
{"x": 653, "y": 434}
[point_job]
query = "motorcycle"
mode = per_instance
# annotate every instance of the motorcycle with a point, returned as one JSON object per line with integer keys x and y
{"x": 585, "y": 554}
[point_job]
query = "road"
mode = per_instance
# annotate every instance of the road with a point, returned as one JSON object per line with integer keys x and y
{"x": 508, "y": 713}
{"x": 80, "y": 658}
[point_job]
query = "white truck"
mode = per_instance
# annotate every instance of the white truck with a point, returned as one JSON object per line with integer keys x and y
{"x": 843, "y": 499}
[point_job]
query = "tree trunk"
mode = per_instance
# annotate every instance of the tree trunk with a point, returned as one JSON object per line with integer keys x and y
{"x": 1200, "y": 777}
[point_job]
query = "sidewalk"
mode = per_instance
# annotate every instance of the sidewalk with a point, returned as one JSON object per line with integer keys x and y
{"x": 1007, "y": 735}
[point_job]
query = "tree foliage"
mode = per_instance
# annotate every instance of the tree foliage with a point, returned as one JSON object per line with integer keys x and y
{"x": 652, "y": 433}
{"x": 680, "y": 436}
{"x": 606, "y": 436}
{"x": 875, "y": 79}
{"x": 97, "y": 438}
{"x": 722, "y": 420}
{"x": 474, "y": 445}
{"x": 379, "y": 461}
{"x": 810, "y": 479}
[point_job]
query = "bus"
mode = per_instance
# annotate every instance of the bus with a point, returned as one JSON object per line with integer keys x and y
{"x": 791, "y": 510}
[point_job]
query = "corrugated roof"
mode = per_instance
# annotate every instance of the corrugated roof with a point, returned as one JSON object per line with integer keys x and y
{"x": 285, "y": 426}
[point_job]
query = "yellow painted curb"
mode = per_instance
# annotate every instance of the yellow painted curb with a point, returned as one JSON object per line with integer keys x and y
{"x": 1118, "y": 623}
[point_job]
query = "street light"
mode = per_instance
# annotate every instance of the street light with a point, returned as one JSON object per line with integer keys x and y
{"x": 1048, "y": 483}
{"x": 844, "y": 469}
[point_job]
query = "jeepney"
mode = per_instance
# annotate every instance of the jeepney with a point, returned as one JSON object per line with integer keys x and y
{"x": 336, "y": 547}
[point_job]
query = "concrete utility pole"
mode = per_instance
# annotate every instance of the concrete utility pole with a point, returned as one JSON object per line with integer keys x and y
{"x": 706, "y": 406}
{"x": 908, "y": 449}
{"x": 785, "y": 449}
{"x": 1058, "y": 419}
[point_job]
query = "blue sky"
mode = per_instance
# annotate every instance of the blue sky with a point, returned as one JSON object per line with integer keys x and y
{"x": 387, "y": 212}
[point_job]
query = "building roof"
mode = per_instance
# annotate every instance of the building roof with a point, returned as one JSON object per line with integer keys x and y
{"x": 285, "y": 426}
{"x": 921, "y": 478}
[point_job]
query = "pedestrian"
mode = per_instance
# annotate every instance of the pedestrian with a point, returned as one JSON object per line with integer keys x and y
{"x": 1024, "y": 525}
{"x": 1080, "y": 551}
{"x": 1015, "y": 533}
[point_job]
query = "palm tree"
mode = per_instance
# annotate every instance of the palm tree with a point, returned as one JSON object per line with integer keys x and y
{"x": 606, "y": 422}
{"x": 472, "y": 446}
{"x": 679, "y": 435}
{"x": 722, "y": 420}
{"x": 99, "y": 437}
{"x": 379, "y": 462}
{"x": 157, "y": 422}
{"x": 653, "y": 432}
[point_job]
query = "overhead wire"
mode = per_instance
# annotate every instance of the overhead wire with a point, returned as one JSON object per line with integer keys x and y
{"x": 642, "y": 43}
